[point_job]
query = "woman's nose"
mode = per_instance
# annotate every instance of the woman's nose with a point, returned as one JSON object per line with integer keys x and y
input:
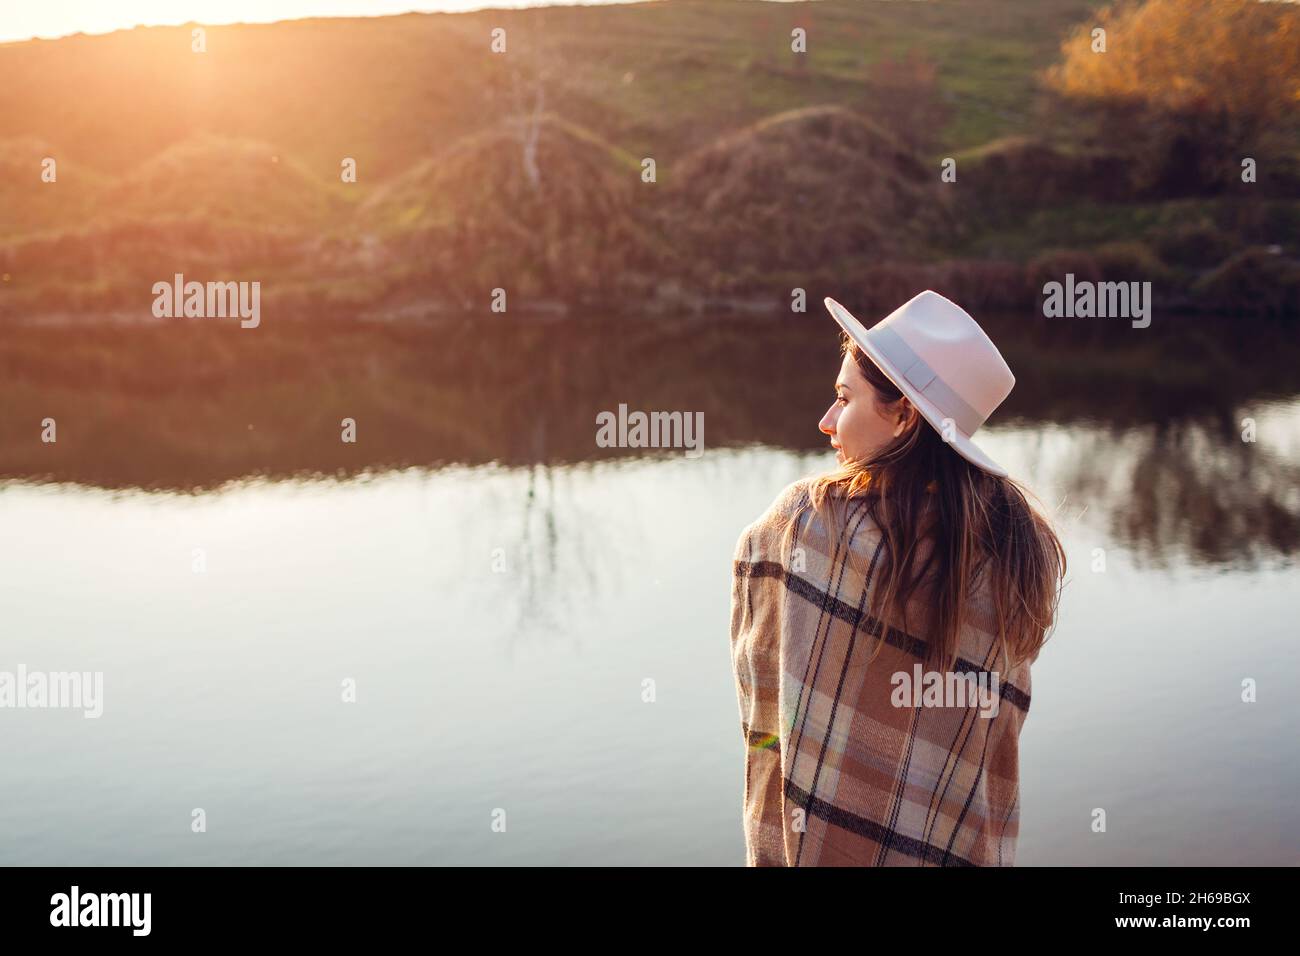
{"x": 827, "y": 424}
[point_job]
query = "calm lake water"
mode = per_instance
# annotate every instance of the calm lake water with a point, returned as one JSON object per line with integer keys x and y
{"x": 500, "y": 621}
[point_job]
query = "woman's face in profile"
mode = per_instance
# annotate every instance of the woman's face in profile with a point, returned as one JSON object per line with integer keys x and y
{"x": 857, "y": 424}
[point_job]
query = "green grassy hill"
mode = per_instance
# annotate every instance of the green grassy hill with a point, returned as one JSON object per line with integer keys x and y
{"x": 655, "y": 78}
{"x": 773, "y": 169}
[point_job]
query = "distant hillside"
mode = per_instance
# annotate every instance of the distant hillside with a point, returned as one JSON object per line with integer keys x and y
{"x": 656, "y": 79}
{"x": 524, "y": 169}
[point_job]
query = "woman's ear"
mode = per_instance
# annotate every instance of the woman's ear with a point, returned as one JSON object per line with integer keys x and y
{"x": 907, "y": 413}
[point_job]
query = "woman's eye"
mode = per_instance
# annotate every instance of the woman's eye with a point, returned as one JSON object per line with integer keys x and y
{"x": 841, "y": 399}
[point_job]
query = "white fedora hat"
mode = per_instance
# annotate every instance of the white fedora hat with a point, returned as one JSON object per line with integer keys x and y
{"x": 940, "y": 358}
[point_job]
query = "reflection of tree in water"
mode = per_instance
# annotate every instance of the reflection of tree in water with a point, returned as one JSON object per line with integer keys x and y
{"x": 1190, "y": 490}
{"x": 560, "y": 555}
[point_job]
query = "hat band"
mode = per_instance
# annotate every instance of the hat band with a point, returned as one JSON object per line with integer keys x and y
{"x": 919, "y": 374}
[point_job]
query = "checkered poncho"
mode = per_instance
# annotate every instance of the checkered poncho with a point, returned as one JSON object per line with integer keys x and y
{"x": 837, "y": 771}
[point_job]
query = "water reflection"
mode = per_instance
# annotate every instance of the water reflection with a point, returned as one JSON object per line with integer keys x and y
{"x": 1192, "y": 491}
{"x": 552, "y": 553}
{"x": 521, "y": 687}
{"x": 501, "y": 589}
{"x": 1154, "y": 417}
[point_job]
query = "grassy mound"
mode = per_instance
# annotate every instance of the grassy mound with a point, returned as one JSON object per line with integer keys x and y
{"x": 227, "y": 181}
{"x": 536, "y": 207}
{"x": 28, "y": 204}
{"x": 804, "y": 189}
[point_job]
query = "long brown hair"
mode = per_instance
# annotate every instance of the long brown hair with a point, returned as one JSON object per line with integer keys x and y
{"x": 948, "y": 528}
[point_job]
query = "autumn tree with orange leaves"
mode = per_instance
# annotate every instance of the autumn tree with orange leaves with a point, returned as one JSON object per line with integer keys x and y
{"x": 1187, "y": 88}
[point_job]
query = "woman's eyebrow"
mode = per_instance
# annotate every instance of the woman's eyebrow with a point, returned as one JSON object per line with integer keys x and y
{"x": 839, "y": 385}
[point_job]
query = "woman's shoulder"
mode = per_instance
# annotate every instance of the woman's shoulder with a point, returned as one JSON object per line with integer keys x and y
{"x": 784, "y": 508}
{"x": 792, "y": 499}
{"x": 793, "y": 505}
{"x": 790, "y": 504}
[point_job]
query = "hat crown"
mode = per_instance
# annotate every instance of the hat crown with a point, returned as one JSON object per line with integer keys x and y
{"x": 955, "y": 349}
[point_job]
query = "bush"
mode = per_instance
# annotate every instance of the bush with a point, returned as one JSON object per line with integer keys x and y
{"x": 1199, "y": 245}
{"x": 1131, "y": 261}
{"x": 1053, "y": 264}
{"x": 1256, "y": 281}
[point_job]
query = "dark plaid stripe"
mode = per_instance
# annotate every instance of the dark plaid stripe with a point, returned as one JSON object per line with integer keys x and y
{"x": 871, "y": 829}
{"x": 848, "y": 656}
{"x": 860, "y": 618}
{"x": 970, "y": 795}
{"x": 856, "y": 824}
{"x": 954, "y": 757}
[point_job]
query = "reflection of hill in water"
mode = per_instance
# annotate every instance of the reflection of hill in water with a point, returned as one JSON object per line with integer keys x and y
{"x": 193, "y": 406}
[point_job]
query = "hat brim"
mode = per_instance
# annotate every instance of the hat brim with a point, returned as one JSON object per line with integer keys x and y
{"x": 961, "y": 443}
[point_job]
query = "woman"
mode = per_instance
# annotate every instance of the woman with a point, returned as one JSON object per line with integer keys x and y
{"x": 884, "y": 616}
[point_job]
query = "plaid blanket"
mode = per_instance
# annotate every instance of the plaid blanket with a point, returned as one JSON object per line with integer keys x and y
{"x": 845, "y": 765}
